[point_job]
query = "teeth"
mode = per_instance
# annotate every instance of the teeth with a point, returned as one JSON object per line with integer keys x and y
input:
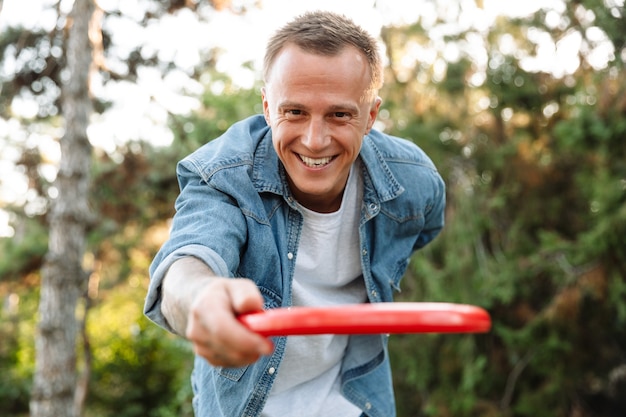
{"x": 315, "y": 162}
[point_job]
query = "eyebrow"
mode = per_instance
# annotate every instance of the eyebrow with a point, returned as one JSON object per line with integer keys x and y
{"x": 345, "y": 107}
{"x": 349, "y": 108}
{"x": 291, "y": 105}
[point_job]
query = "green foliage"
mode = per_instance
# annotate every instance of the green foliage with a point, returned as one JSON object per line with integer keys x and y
{"x": 16, "y": 350}
{"x": 25, "y": 253}
{"x": 535, "y": 234}
{"x": 14, "y": 381}
{"x": 143, "y": 373}
{"x": 222, "y": 104}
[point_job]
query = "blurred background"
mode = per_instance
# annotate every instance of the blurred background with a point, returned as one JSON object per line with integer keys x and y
{"x": 521, "y": 105}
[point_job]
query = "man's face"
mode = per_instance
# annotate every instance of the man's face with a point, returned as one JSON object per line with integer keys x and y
{"x": 319, "y": 112}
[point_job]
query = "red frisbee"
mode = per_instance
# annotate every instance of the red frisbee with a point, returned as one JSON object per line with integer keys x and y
{"x": 376, "y": 318}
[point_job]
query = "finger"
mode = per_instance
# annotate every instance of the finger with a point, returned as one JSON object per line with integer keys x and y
{"x": 215, "y": 331}
{"x": 221, "y": 357}
{"x": 245, "y": 296}
{"x": 226, "y": 359}
{"x": 237, "y": 339}
{"x": 220, "y": 351}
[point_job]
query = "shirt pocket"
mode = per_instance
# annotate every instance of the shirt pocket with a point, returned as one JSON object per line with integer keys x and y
{"x": 233, "y": 374}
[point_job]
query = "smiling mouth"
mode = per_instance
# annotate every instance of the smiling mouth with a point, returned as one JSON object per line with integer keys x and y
{"x": 315, "y": 162}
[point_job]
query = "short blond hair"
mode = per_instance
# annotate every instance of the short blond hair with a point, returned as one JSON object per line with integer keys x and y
{"x": 326, "y": 33}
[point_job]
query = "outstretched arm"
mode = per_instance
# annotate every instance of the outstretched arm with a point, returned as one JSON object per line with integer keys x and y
{"x": 204, "y": 308}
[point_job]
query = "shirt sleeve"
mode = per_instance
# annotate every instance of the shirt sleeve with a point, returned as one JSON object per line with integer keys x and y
{"x": 207, "y": 225}
{"x": 152, "y": 305}
{"x": 435, "y": 212}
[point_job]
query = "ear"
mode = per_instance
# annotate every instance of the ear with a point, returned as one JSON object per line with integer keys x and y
{"x": 266, "y": 106}
{"x": 373, "y": 113}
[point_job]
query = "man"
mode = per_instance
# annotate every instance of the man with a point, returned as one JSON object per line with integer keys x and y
{"x": 305, "y": 205}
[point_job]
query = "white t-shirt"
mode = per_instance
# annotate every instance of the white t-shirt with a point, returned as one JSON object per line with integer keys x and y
{"x": 327, "y": 272}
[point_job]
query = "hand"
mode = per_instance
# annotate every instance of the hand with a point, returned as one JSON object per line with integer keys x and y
{"x": 214, "y": 330}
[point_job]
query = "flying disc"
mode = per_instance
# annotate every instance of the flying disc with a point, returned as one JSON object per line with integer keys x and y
{"x": 375, "y": 318}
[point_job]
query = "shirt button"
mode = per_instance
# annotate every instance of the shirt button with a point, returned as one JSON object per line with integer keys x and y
{"x": 271, "y": 370}
{"x": 368, "y": 406}
{"x": 290, "y": 256}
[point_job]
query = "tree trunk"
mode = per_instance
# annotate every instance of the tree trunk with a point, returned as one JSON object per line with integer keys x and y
{"x": 63, "y": 279}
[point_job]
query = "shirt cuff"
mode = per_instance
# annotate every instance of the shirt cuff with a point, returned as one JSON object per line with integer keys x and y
{"x": 152, "y": 305}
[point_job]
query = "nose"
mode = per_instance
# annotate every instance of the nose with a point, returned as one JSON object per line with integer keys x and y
{"x": 317, "y": 135}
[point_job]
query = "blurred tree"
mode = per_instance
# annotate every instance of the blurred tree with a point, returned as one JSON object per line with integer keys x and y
{"x": 63, "y": 278}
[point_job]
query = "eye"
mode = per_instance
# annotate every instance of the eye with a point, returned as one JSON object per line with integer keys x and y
{"x": 292, "y": 114}
{"x": 341, "y": 115}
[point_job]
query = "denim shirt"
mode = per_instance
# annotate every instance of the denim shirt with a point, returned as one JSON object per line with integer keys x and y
{"x": 235, "y": 212}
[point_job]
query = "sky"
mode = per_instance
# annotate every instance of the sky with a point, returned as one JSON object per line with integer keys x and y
{"x": 141, "y": 110}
